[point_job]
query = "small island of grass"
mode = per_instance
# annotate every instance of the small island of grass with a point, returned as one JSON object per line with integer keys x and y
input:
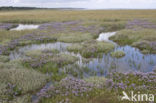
{"x": 118, "y": 54}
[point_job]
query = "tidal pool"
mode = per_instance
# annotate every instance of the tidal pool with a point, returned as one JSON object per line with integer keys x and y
{"x": 134, "y": 60}
{"x": 25, "y": 27}
{"x": 19, "y": 53}
{"x": 105, "y": 36}
{"x": 131, "y": 62}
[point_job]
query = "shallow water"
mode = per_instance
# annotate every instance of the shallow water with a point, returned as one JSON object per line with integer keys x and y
{"x": 25, "y": 27}
{"x": 133, "y": 61}
{"x": 19, "y": 53}
{"x": 106, "y": 36}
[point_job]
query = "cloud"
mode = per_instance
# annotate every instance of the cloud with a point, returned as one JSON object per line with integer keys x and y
{"x": 16, "y": 1}
{"x": 50, "y": 1}
{"x": 93, "y": 4}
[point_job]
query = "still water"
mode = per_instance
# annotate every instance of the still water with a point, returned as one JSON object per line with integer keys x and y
{"x": 134, "y": 60}
{"x": 25, "y": 27}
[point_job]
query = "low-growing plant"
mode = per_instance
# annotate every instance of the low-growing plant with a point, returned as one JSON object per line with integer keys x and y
{"x": 118, "y": 54}
{"x": 4, "y": 58}
{"x": 91, "y": 48}
{"x": 27, "y": 80}
{"x": 144, "y": 39}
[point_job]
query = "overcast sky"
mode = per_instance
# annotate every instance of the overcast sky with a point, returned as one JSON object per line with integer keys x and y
{"x": 90, "y": 4}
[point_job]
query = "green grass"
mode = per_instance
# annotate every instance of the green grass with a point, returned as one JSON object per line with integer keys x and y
{"x": 23, "y": 99}
{"x": 118, "y": 54}
{"x": 113, "y": 26}
{"x": 28, "y": 79}
{"x": 49, "y": 61}
{"x": 40, "y": 16}
{"x": 99, "y": 81}
{"x": 140, "y": 38}
{"x": 20, "y": 81}
{"x": 128, "y": 36}
{"x": 93, "y": 96}
{"x": 91, "y": 48}
{"x": 7, "y": 36}
{"x": 110, "y": 92}
{"x": 97, "y": 96}
{"x": 76, "y": 70}
{"x": 74, "y": 37}
{"x": 4, "y": 58}
{"x": 11, "y": 64}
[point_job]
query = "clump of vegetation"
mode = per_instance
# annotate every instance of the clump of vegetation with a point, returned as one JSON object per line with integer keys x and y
{"x": 22, "y": 99}
{"x": 126, "y": 37}
{"x": 11, "y": 64}
{"x": 118, "y": 54}
{"x": 33, "y": 53}
{"x": 27, "y": 80}
{"x": 48, "y": 60}
{"x": 7, "y": 26}
{"x": 74, "y": 37}
{"x": 146, "y": 47}
{"x": 96, "y": 96}
{"x": 113, "y": 26}
{"x": 144, "y": 39}
{"x": 98, "y": 81}
{"x": 19, "y": 81}
{"x": 68, "y": 86}
{"x": 91, "y": 48}
{"x": 7, "y": 36}
{"x": 136, "y": 81}
{"x": 102, "y": 89}
{"x": 4, "y": 58}
{"x": 54, "y": 51}
{"x": 75, "y": 48}
{"x": 76, "y": 70}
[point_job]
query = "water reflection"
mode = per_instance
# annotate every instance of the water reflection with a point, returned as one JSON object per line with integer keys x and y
{"x": 19, "y": 53}
{"x": 106, "y": 36}
{"x": 134, "y": 60}
{"x": 25, "y": 27}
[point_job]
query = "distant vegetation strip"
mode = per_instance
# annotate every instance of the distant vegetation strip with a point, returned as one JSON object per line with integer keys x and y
{"x": 11, "y": 8}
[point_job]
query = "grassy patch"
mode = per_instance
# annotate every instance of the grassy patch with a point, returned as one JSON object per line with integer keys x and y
{"x": 91, "y": 48}
{"x": 77, "y": 71}
{"x": 118, "y": 54}
{"x": 144, "y": 39}
{"x": 96, "y": 96}
{"x": 11, "y": 64}
{"x": 7, "y": 36}
{"x": 22, "y": 99}
{"x": 48, "y": 60}
{"x": 74, "y": 37}
{"x": 27, "y": 80}
{"x": 40, "y": 16}
{"x": 113, "y": 26}
{"x": 146, "y": 47}
{"x": 4, "y": 58}
{"x": 19, "y": 81}
{"x": 98, "y": 81}
{"x": 133, "y": 82}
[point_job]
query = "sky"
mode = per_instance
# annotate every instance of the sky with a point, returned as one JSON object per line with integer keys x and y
{"x": 88, "y": 4}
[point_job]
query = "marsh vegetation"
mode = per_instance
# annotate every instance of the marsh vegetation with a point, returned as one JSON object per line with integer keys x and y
{"x": 87, "y": 56}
